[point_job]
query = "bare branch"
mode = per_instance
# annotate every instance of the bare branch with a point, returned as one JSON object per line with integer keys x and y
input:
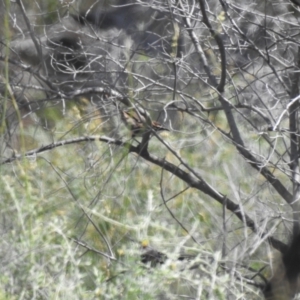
{"x": 191, "y": 180}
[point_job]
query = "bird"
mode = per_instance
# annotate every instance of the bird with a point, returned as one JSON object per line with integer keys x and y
{"x": 137, "y": 123}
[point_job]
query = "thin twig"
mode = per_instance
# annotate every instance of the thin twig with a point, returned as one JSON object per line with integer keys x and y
{"x": 170, "y": 211}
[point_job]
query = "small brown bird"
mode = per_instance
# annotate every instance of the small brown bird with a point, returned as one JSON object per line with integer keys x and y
{"x": 137, "y": 123}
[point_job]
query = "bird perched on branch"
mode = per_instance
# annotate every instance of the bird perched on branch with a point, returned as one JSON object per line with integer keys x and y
{"x": 137, "y": 122}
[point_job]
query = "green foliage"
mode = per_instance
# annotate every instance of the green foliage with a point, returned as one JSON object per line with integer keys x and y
{"x": 45, "y": 204}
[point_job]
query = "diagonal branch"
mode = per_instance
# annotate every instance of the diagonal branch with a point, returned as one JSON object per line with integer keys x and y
{"x": 237, "y": 139}
{"x": 193, "y": 181}
{"x": 37, "y": 44}
{"x": 91, "y": 138}
{"x": 204, "y": 187}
